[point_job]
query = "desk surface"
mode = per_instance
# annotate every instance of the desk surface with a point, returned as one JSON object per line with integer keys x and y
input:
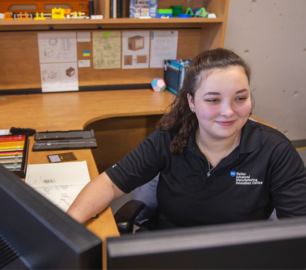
{"x": 75, "y": 110}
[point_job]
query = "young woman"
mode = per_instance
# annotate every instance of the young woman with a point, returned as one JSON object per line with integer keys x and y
{"x": 215, "y": 165}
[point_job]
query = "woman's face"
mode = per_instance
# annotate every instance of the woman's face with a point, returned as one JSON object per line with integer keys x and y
{"x": 222, "y": 102}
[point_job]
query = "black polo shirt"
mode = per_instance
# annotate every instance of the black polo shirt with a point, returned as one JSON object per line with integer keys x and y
{"x": 264, "y": 172}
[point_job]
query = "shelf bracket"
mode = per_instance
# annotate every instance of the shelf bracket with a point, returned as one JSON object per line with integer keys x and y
{"x": 99, "y": 26}
{"x": 51, "y": 27}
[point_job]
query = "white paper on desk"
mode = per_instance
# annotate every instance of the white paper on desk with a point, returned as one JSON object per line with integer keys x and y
{"x": 4, "y": 131}
{"x": 58, "y": 182}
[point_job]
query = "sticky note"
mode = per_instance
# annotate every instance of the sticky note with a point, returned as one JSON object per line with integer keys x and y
{"x": 86, "y": 53}
{"x": 105, "y": 34}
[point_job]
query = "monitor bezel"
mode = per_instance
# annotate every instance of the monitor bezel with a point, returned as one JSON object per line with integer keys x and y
{"x": 248, "y": 245}
{"x": 42, "y": 234}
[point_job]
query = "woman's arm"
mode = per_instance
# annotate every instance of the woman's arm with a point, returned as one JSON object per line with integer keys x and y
{"x": 94, "y": 198}
{"x": 288, "y": 182}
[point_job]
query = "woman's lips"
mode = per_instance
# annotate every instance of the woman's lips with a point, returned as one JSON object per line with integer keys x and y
{"x": 225, "y": 123}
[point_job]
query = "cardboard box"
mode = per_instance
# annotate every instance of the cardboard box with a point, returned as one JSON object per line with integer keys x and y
{"x": 128, "y": 60}
{"x": 135, "y": 43}
{"x": 141, "y": 59}
{"x": 70, "y": 72}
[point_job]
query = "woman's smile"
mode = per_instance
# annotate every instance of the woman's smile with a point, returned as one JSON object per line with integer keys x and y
{"x": 225, "y": 123}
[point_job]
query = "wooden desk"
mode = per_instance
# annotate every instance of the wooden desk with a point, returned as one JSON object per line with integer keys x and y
{"x": 76, "y": 110}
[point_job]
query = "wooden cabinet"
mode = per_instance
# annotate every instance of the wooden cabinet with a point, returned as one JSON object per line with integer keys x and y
{"x": 19, "y": 49}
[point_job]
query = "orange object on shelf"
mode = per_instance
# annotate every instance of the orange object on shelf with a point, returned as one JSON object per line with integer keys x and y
{"x": 25, "y": 17}
{"x": 29, "y": 6}
{"x": 7, "y": 16}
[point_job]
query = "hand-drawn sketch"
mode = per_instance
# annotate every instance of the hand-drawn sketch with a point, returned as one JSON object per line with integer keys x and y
{"x": 59, "y": 77}
{"x": 58, "y": 182}
{"x": 58, "y": 61}
{"x": 106, "y": 49}
{"x": 57, "y": 47}
{"x": 61, "y": 196}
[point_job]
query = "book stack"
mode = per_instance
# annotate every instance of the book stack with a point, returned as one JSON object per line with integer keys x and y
{"x": 116, "y": 9}
{"x": 13, "y": 153}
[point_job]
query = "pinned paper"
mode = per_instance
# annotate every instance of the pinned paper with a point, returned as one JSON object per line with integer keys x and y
{"x": 163, "y": 46}
{"x": 83, "y": 37}
{"x": 84, "y": 63}
{"x": 106, "y": 49}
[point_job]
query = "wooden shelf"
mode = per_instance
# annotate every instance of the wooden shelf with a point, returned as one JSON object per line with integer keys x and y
{"x": 108, "y": 23}
{"x": 218, "y": 7}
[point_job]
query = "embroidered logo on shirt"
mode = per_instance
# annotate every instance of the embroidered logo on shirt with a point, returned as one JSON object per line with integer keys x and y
{"x": 233, "y": 173}
{"x": 244, "y": 179}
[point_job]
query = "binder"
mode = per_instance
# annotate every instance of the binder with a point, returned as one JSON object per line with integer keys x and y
{"x": 174, "y": 74}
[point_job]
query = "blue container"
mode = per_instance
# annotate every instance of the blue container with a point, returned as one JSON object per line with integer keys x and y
{"x": 174, "y": 74}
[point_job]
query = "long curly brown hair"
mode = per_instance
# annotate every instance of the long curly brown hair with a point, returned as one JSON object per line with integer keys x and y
{"x": 180, "y": 118}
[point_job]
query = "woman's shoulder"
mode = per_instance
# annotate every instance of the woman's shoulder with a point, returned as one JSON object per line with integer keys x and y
{"x": 266, "y": 133}
{"x": 159, "y": 133}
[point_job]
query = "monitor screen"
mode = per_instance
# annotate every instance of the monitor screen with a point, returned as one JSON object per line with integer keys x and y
{"x": 249, "y": 245}
{"x": 35, "y": 234}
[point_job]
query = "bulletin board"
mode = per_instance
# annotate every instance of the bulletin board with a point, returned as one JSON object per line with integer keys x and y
{"x": 20, "y": 62}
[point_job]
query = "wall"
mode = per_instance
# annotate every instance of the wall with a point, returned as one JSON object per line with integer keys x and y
{"x": 271, "y": 36}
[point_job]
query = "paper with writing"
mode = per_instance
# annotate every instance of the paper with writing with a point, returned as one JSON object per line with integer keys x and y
{"x": 58, "y": 182}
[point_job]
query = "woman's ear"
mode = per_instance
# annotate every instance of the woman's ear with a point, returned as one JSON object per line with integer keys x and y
{"x": 190, "y": 102}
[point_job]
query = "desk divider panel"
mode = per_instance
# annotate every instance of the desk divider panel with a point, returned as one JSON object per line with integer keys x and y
{"x": 20, "y": 65}
{"x": 121, "y": 133}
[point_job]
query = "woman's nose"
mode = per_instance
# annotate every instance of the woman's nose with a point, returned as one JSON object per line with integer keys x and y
{"x": 227, "y": 109}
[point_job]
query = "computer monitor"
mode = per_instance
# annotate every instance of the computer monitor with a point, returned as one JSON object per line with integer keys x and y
{"x": 250, "y": 245}
{"x": 36, "y": 234}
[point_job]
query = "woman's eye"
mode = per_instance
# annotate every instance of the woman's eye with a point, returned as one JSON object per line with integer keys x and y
{"x": 212, "y": 100}
{"x": 241, "y": 98}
